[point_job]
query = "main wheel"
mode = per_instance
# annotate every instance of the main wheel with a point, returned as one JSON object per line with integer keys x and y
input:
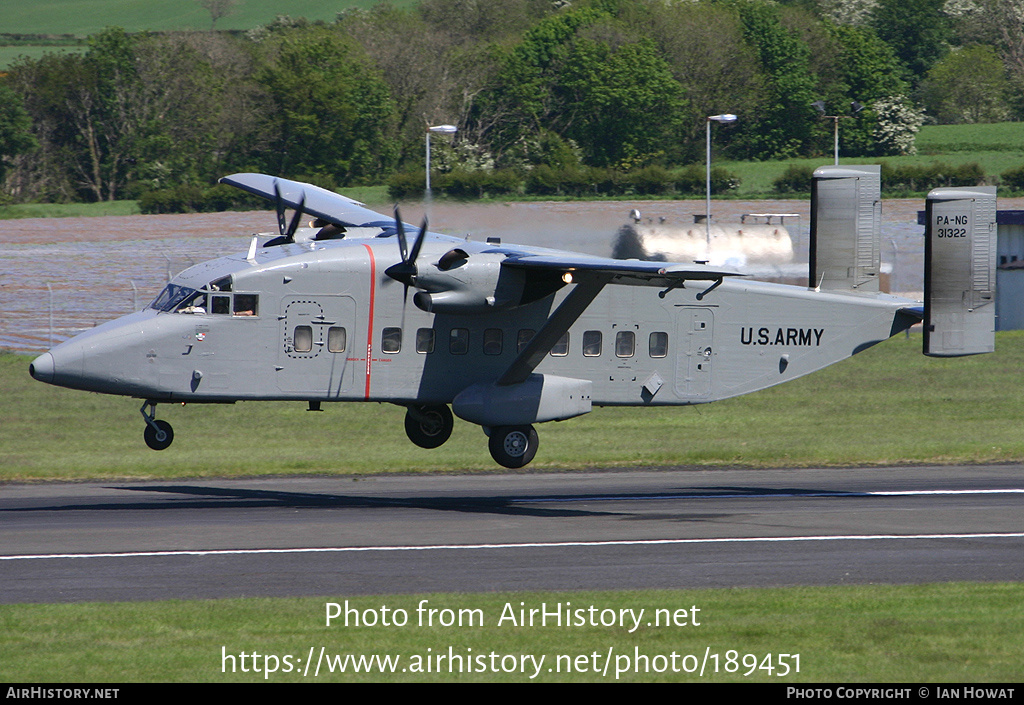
{"x": 513, "y": 446}
{"x": 160, "y": 437}
{"x": 429, "y": 426}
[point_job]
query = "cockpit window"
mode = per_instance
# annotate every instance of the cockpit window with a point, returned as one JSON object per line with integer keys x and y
{"x": 172, "y": 296}
{"x": 222, "y": 284}
{"x": 247, "y": 304}
{"x": 196, "y": 303}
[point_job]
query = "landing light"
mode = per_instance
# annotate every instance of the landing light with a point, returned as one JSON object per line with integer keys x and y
{"x": 567, "y": 277}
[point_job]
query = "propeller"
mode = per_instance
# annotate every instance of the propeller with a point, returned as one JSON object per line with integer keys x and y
{"x": 405, "y": 271}
{"x": 286, "y": 229}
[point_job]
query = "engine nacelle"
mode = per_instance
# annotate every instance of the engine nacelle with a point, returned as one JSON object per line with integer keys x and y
{"x": 468, "y": 284}
{"x": 540, "y": 398}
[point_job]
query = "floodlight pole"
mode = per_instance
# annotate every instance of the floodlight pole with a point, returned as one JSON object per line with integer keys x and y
{"x": 820, "y": 106}
{"x": 724, "y": 118}
{"x": 446, "y": 129}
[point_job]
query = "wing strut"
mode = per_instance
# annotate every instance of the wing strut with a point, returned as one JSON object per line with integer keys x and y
{"x": 585, "y": 291}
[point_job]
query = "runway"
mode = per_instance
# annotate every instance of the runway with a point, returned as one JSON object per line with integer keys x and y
{"x": 403, "y": 534}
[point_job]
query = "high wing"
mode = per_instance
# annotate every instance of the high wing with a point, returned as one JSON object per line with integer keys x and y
{"x": 634, "y": 272}
{"x": 590, "y": 275}
{"x": 327, "y": 205}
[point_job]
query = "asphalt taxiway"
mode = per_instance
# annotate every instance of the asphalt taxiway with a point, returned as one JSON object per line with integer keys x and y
{"x": 401, "y": 534}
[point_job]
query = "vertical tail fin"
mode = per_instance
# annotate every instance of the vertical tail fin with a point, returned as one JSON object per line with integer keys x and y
{"x": 846, "y": 231}
{"x": 960, "y": 271}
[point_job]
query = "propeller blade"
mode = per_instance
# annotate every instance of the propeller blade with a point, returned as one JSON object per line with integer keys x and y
{"x": 419, "y": 242}
{"x": 279, "y": 205}
{"x": 403, "y": 246}
{"x": 294, "y": 225}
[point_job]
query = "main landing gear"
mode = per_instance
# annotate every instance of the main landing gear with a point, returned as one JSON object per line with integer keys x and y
{"x": 513, "y": 446}
{"x": 158, "y": 433}
{"x": 429, "y": 426}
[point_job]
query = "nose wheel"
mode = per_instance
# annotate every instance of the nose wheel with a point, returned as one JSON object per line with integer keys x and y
{"x": 513, "y": 446}
{"x": 158, "y": 433}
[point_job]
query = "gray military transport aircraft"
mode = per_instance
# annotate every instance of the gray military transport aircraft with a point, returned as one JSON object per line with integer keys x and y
{"x": 509, "y": 336}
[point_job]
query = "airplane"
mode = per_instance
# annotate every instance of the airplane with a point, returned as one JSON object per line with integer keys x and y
{"x": 355, "y": 308}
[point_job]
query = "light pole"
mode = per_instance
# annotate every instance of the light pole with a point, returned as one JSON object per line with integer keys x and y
{"x": 725, "y": 118}
{"x": 445, "y": 129}
{"x": 820, "y": 105}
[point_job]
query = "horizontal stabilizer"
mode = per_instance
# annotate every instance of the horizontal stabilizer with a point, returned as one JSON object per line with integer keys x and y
{"x": 960, "y": 271}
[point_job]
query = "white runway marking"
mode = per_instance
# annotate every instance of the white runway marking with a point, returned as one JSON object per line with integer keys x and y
{"x": 498, "y": 546}
{"x": 766, "y": 495}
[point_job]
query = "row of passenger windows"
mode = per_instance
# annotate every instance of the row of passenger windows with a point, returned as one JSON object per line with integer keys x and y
{"x": 492, "y": 341}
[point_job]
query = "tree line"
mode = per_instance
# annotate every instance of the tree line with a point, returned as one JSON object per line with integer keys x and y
{"x": 533, "y": 86}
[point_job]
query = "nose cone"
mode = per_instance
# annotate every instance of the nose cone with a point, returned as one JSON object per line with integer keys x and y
{"x": 42, "y": 368}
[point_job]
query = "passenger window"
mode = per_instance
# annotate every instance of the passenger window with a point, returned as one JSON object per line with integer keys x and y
{"x": 221, "y": 304}
{"x": 492, "y": 341}
{"x": 591, "y": 343}
{"x": 561, "y": 348}
{"x": 625, "y": 343}
{"x": 458, "y": 343}
{"x": 425, "y": 340}
{"x": 337, "y": 339}
{"x": 303, "y": 339}
{"x": 525, "y": 336}
{"x": 659, "y": 344}
{"x": 247, "y": 304}
{"x": 391, "y": 340}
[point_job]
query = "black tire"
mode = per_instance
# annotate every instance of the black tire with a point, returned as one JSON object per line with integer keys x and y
{"x": 513, "y": 446}
{"x": 429, "y": 426}
{"x": 160, "y": 437}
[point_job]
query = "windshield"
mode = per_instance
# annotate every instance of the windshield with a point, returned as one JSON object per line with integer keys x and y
{"x": 171, "y": 296}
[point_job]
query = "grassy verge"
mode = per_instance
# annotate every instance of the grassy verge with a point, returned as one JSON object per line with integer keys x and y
{"x": 888, "y": 405}
{"x": 68, "y": 210}
{"x": 916, "y": 634}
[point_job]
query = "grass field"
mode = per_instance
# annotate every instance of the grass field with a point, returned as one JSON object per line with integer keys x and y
{"x": 886, "y": 406}
{"x": 84, "y": 17}
{"x": 995, "y": 147}
{"x": 948, "y": 633}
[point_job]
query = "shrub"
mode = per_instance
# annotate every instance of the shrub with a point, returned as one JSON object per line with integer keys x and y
{"x": 795, "y": 179}
{"x": 1013, "y": 178}
{"x": 693, "y": 180}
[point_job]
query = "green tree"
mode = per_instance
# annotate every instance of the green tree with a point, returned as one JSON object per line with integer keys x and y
{"x": 867, "y": 71}
{"x": 331, "y": 111}
{"x": 718, "y": 72}
{"x": 967, "y": 85}
{"x": 15, "y": 129}
{"x": 88, "y": 115}
{"x": 917, "y": 30}
{"x": 584, "y": 76}
{"x": 786, "y": 123}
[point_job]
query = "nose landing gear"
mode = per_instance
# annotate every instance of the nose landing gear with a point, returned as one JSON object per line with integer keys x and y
{"x": 158, "y": 433}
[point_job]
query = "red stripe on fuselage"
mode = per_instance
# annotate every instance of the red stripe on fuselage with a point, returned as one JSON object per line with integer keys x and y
{"x": 369, "y": 319}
